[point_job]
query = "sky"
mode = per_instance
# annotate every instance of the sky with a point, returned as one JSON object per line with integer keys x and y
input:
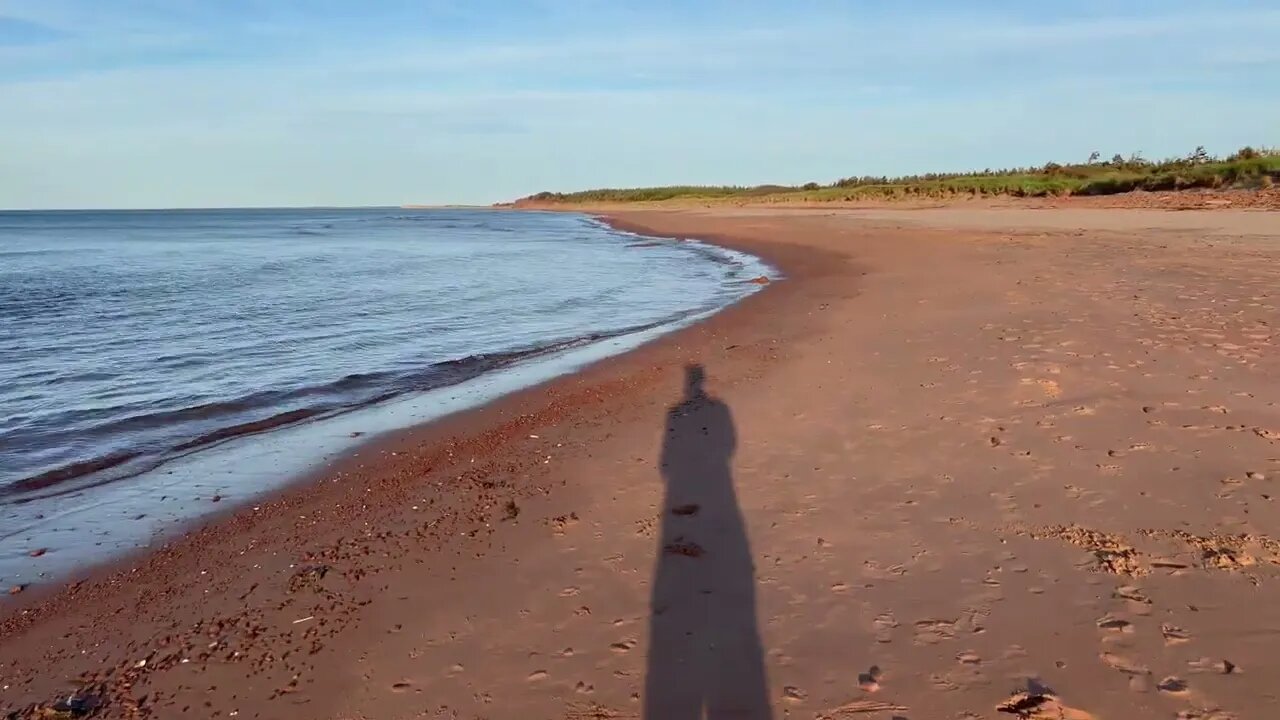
{"x": 208, "y": 103}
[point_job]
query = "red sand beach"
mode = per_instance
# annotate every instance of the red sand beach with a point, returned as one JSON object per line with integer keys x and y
{"x": 961, "y": 463}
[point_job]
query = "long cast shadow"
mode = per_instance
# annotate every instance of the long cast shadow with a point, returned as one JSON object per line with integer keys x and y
{"x": 705, "y": 654}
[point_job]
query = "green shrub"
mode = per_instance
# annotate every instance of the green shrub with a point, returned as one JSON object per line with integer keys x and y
{"x": 1247, "y": 167}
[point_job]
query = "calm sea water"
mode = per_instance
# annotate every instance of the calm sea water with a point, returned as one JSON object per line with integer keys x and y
{"x": 130, "y": 340}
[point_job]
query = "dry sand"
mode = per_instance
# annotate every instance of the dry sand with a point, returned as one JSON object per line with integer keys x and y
{"x": 961, "y": 464}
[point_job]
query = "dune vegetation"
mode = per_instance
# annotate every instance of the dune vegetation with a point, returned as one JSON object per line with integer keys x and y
{"x": 1246, "y": 168}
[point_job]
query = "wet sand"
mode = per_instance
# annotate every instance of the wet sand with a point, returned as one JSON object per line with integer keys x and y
{"x": 956, "y": 456}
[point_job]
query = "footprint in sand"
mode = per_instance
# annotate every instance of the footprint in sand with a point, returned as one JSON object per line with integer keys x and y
{"x": 793, "y": 694}
{"x": 563, "y": 522}
{"x": 1175, "y": 567}
{"x": 932, "y": 631}
{"x": 969, "y": 658}
{"x": 1123, "y": 664}
{"x": 884, "y": 625}
{"x": 1013, "y": 652}
{"x": 401, "y": 687}
{"x": 537, "y": 675}
{"x": 1173, "y": 686}
{"x": 942, "y": 683}
{"x": 1041, "y": 706}
{"x": 1132, "y": 593}
{"x": 1115, "y": 624}
{"x": 1211, "y": 665}
{"x": 623, "y": 646}
{"x": 859, "y": 707}
{"x": 1213, "y": 714}
{"x": 1174, "y": 635}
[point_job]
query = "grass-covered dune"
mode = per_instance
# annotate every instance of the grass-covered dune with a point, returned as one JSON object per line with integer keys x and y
{"x": 1246, "y": 168}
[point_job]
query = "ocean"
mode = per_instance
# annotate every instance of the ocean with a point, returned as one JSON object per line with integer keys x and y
{"x": 150, "y": 360}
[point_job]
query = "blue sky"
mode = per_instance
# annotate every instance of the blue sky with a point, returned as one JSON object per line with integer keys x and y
{"x": 166, "y": 103}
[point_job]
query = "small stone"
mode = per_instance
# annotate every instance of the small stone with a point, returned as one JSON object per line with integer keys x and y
{"x": 76, "y": 705}
{"x": 17, "y": 589}
{"x": 38, "y": 552}
{"x": 869, "y": 681}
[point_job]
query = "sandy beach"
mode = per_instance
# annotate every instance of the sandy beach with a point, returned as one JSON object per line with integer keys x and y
{"x": 960, "y": 463}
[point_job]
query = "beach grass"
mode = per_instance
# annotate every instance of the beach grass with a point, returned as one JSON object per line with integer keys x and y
{"x": 1246, "y": 168}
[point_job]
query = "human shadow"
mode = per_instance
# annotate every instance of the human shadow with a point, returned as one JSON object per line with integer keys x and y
{"x": 705, "y": 655}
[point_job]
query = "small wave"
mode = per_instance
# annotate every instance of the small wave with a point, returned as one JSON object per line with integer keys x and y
{"x": 46, "y": 251}
{"x": 713, "y": 254}
{"x": 397, "y": 218}
{"x": 248, "y": 428}
{"x": 84, "y": 377}
{"x": 67, "y": 472}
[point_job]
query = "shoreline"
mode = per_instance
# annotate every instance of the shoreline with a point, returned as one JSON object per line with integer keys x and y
{"x": 896, "y": 468}
{"x": 229, "y": 468}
